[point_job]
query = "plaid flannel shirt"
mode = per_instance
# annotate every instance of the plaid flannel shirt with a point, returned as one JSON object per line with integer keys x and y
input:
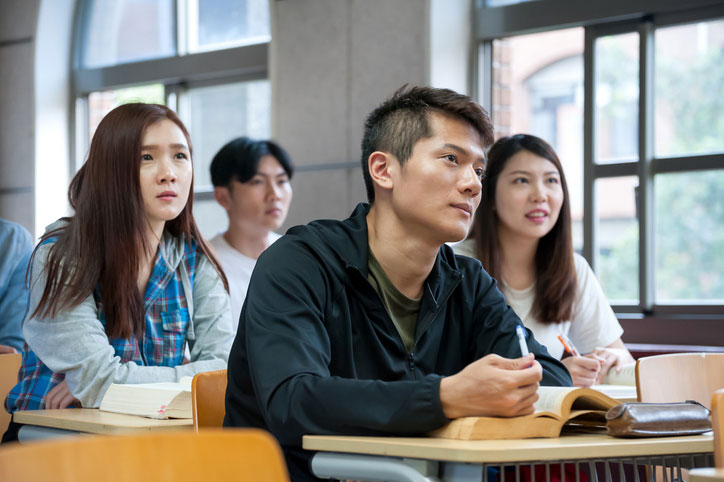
{"x": 163, "y": 342}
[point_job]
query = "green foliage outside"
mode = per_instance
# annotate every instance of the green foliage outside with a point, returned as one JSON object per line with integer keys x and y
{"x": 689, "y": 207}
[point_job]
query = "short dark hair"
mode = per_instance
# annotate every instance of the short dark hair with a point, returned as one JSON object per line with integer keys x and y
{"x": 399, "y": 122}
{"x": 239, "y": 160}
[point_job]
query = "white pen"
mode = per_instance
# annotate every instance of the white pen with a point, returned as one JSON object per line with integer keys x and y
{"x": 521, "y": 338}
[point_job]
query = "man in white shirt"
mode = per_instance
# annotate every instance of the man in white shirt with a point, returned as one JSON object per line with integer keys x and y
{"x": 251, "y": 182}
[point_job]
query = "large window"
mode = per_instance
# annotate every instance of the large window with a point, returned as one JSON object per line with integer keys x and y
{"x": 206, "y": 59}
{"x": 635, "y": 110}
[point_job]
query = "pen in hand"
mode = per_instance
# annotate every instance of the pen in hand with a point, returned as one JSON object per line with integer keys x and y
{"x": 521, "y": 339}
{"x": 568, "y": 345}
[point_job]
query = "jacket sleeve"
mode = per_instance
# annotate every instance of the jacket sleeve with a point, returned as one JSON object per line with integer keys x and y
{"x": 74, "y": 342}
{"x": 287, "y": 344}
{"x": 495, "y": 332}
{"x": 16, "y": 249}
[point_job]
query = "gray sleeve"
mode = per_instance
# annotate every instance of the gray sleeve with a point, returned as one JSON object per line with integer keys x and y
{"x": 213, "y": 333}
{"x": 74, "y": 342}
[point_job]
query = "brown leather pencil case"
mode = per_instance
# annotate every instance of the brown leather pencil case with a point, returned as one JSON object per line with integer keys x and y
{"x": 638, "y": 419}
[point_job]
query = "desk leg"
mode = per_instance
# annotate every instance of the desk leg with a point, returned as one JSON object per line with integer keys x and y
{"x": 461, "y": 472}
{"x": 369, "y": 468}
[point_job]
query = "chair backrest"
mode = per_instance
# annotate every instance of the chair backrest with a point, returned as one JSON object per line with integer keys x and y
{"x": 680, "y": 376}
{"x": 9, "y": 367}
{"x": 219, "y": 455}
{"x": 717, "y": 423}
{"x": 208, "y": 392}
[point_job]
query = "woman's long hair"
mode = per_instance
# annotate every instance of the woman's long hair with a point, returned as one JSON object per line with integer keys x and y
{"x": 103, "y": 243}
{"x": 555, "y": 287}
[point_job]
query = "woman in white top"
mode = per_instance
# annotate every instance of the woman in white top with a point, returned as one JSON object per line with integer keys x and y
{"x": 251, "y": 182}
{"x": 522, "y": 235}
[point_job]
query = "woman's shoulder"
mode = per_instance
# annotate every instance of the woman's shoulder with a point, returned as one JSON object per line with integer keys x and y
{"x": 583, "y": 269}
{"x": 465, "y": 248}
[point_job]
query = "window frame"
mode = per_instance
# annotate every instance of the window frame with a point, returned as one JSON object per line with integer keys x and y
{"x": 601, "y": 19}
{"x": 178, "y": 73}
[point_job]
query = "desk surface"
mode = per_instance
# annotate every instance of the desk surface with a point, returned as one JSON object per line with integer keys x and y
{"x": 570, "y": 447}
{"x": 706, "y": 475}
{"x": 92, "y": 420}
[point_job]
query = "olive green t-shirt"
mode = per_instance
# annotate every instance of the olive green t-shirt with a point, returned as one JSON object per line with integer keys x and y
{"x": 403, "y": 310}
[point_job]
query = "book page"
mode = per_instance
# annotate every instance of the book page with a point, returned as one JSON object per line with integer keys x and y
{"x": 627, "y": 376}
{"x": 183, "y": 385}
{"x": 550, "y": 400}
{"x": 148, "y": 399}
{"x": 622, "y": 393}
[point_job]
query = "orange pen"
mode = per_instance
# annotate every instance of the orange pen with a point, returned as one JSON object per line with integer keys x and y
{"x": 567, "y": 345}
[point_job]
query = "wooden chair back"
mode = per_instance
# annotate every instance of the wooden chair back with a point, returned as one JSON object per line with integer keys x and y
{"x": 680, "y": 376}
{"x": 9, "y": 367}
{"x": 208, "y": 392}
{"x": 214, "y": 454}
{"x": 717, "y": 423}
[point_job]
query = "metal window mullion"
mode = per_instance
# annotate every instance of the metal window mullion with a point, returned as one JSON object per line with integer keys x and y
{"x": 646, "y": 181}
{"x": 590, "y": 244}
{"x": 484, "y": 74}
{"x": 706, "y": 162}
{"x": 249, "y": 61}
{"x": 620, "y": 169}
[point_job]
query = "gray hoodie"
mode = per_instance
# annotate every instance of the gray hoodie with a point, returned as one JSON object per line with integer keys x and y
{"x": 74, "y": 342}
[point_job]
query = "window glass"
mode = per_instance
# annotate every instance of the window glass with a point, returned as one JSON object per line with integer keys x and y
{"x": 689, "y": 237}
{"x": 617, "y": 96}
{"x": 689, "y": 90}
{"x": 538, "y": 89}
{"x": 618, "y": 238}
{"x": 215, "y": 24}
{"x": 120, "y": 31}
{"x": 101, "y": 103}
{"x": 215, "y": 115}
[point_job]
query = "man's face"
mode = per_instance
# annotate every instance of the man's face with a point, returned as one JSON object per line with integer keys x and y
{"x": 261, "y": 204}
{"x": 435, "y": 193}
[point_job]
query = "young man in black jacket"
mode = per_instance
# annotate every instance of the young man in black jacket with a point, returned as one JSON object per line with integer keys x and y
{"x": 372, "y": 325}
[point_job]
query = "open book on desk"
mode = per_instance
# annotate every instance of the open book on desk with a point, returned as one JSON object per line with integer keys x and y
{"x": 620, "y": 385}
{"x": 153, "y": 400}
{"x": 579, "y": 408}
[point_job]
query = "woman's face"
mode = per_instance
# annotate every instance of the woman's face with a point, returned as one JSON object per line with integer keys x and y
{"x": 166, "y": 172}
{"x": 528, "y": 196}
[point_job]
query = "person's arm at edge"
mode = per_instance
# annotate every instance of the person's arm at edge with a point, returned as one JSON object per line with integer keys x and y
{"x": 14, "y": 301}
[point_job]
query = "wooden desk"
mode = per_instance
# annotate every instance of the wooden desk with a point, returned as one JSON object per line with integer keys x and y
{"x": 709, "y": 474}
{"x": 92, "y": 420}
{"x": 468, "y": 459}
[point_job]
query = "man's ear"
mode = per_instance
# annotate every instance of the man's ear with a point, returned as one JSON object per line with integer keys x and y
{"x": 223, "y": 197}
{"x": 382, "y": 166}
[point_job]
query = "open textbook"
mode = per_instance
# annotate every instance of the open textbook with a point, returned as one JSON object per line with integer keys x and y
{"x": 153, "y": 400}
{"x": 627, "y": 376}
{"x": 582, "y": 408}
{"x": 620, "y": 385}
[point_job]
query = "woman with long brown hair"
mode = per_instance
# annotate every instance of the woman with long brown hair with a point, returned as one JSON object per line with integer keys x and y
{"x": 522, "y": 236}
{"x": 120, "y": 287}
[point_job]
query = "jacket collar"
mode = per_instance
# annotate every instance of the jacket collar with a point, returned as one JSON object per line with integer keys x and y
{"x": 441, "y": 281}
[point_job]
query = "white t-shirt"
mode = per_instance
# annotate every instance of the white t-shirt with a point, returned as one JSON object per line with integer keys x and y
{"x": 238, "y": 268}
{"x": 593, "y": 323}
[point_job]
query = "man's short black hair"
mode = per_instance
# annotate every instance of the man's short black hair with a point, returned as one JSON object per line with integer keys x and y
{"x": 239, "y": 160}
{"x": 403, "y": 119}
